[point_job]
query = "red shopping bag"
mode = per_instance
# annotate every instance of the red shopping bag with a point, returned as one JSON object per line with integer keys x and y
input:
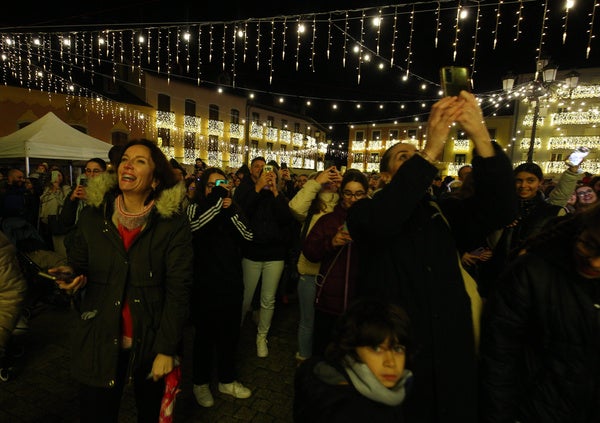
{"x": 167, "y": 405}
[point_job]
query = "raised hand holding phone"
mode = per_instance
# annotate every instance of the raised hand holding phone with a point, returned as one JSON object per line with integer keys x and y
{"x": 577, "y": 156}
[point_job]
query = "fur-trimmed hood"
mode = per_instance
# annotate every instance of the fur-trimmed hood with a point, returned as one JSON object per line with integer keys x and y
{"x": 167, "y": 204}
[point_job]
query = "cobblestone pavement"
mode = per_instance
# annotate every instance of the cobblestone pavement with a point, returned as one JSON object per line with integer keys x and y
{"x": 42, "y": 390}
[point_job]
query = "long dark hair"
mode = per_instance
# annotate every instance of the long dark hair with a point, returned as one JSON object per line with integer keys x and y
{"x": 353, "y": 175}
{"x": 200, "y": 195}
{"x": 163, "y": 172}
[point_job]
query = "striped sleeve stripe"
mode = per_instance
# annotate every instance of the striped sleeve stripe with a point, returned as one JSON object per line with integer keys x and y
{"x": 242, "y": 229}
{"x": 207, "y": 216}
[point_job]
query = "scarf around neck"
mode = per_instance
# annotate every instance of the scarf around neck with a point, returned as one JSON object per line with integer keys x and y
{"x": 131, "y": 220}
{"x": 369, "y": 386}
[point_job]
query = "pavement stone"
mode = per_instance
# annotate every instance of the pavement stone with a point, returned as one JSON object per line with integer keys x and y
{"x": 42, "y": 390}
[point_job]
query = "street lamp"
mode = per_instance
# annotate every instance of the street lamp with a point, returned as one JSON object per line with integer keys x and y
{"x": 536, "y": 89}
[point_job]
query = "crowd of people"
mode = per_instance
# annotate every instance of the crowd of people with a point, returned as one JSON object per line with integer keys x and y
{"x": 420, "y": 299}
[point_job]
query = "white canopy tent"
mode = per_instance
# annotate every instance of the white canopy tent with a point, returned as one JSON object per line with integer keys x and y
{"x": 51, "y": 138}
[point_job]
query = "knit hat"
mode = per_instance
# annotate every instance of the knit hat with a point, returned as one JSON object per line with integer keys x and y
{"x": 532, "y": 168}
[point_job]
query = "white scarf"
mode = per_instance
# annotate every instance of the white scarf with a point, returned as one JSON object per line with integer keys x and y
{"x": 368, "y": 385}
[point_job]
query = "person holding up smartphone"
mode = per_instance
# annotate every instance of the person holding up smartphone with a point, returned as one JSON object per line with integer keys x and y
{"x": 76, "y": 199}
{"x": 51, "y": 204}
{"x": 263, "y": 257}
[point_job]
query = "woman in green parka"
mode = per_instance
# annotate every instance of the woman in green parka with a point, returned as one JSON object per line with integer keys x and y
{"x": 131, "y": 259}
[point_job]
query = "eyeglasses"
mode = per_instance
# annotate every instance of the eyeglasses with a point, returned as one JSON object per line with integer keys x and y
{"x": 584, "y": 193}
{"x": 93, "y": 170}
{"x": 358, "y": 194}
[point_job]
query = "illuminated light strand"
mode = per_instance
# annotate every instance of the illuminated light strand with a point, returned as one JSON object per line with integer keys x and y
{"x": 149, "y": 47}
{"x": 187, "y": 51}
{"x": 438, "y": 23}
{"x": 537, "y": 143}
{"x": 132, "y": 51}
{"x": 178, "y": 37}
{"x": 224, "y": 49}
{"x": 298, "y": 42}
{"x": 475, "y": 41}
{"x": 519, "y": 19}
{"x": 461, "y": 146}
{"x": 575, "y": 118}
{"x": 566, "y": 20}
{"x": 158, "y": 37}
{"x": 199, "y": 63}
{"x": 258, "y": 45}
{"x": 542, "y": 35}
{"x": 271, "y": 51}
{"x": 168, "y": 64}
{"x": 328, "y": 36}
{"x": 410, "y": 39}
{"x": 581, "y": 91}
{"x": 394, "y": 35}
{"x": 379, "y": 20}
{"x": 234, "y": 54}
{"x": 362, "y": 43}
{"x": 570, "y": 143}
{"x": 312, "y": 46}
{"x": 210, "y": 43}
{"x": 345, "y": 48}
{"x": 284, "y": 43}
{"x": 245, "y": 40}
{"x": 114, "y": 54}
{"x": 456, "y": 31}
{"x": 591, "y": 30}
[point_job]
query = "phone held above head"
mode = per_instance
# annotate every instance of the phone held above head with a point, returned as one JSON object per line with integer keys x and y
{"x": 454, "y": 79}
{"x": 577, "y": 156}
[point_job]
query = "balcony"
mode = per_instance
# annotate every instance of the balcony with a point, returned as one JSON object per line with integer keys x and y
{"x": 359, "y": 145}
{"x": 285, "y": 136}
{"x": 297, "y": 139}
{"x": 376, "y": 145}
{"x": 192, "y": 124}
{"x": 236, "y": 130}
{"x": 165, "y": 120}
{"x": 256, "y": 130}
{"x": 215, "y": 128}
{"x": 271, "y": 133}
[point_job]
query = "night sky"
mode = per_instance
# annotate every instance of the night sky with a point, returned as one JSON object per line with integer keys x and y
{"x": 326, "y": 79}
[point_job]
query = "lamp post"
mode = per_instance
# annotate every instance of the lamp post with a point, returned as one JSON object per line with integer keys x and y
{"x": 536, "y": 89}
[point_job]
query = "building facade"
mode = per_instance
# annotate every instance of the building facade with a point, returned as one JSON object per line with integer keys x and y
{"x": 368, "y": 142}
{"x": 187, "y": 121}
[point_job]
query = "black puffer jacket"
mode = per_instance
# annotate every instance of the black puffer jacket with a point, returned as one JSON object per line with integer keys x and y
{"x": 270, "y": 219}
{"x": 540, "y": 351}
{"x": 409, "y": 256}
{"x": 154, "y": 275}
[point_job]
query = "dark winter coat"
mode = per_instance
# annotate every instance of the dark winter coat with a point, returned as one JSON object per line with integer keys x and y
{"x": 270, "y": 220}
{"x": 540, "y": 346}
{"x": 409, "y": 256}
{"x": 218, "y": 236}
{"x": 154, "y": 276}
{"x": 333, "y": 292}
{"x": 317, "y": 401}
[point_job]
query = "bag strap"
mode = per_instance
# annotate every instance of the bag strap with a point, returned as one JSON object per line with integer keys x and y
{"x": 324, "y": 278}
{"x": 305, "y": 225}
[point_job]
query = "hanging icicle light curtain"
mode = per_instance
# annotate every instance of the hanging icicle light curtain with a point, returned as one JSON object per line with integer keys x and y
{"x": 68, "y": 62}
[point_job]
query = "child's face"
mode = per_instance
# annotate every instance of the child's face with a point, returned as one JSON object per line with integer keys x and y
{"x": 384, "y": 361}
